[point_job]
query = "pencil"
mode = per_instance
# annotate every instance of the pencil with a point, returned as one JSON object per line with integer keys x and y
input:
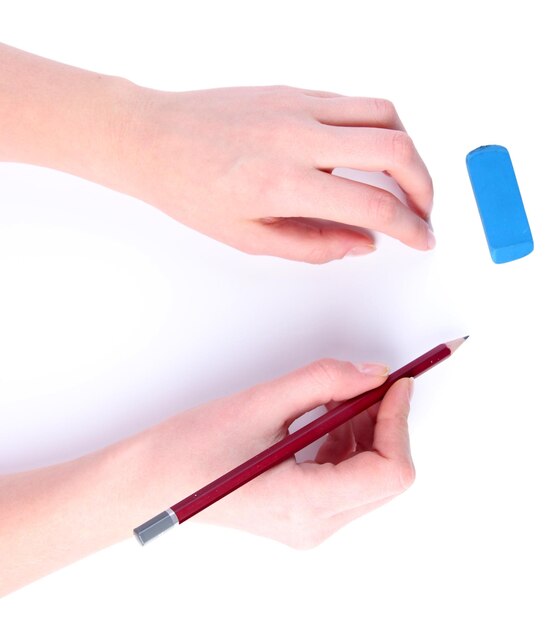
{"x": 288, "y": 446}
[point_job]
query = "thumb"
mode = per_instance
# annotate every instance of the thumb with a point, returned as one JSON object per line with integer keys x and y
{"x": 309, "y": 241}
{"x": 323, "y": 381}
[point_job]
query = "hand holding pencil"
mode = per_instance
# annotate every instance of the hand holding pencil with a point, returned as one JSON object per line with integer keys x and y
{"x": 56, "y": 515}
{"x": 354, "y": 426}
{"x": 342, "y": 416}
{"x": 360, "y": 466}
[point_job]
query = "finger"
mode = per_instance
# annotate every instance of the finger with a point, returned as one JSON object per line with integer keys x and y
{"x": 283, "y": 400}
{"x": 347, "y": 439}
{"x": 378, "y": 150}
{"x": 343, "y": 111}
{"x": 363, "y": 430}
{"x": 361, "y": 433}
{"x": 369, "y": 476}
{"x": 324, "y": 196}
{"x": 339, "y": 444}
{"x": 391, "y": 431}
{"x": 305, "y": 240}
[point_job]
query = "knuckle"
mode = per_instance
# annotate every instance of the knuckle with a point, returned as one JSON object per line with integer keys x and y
{"x": 320, "y": 247}
{"x": 317, "y": 255}
{"x": 383, "y": 207}
{"x": 402, "y": 146}
{"x": 385, "y": 109}
{"x": 324, "y": 372}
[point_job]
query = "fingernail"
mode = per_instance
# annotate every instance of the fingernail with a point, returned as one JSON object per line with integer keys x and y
{"x": 411, "y": 388}
{"x": 372, "y": 369}
{"x": 360, "y": 250}
{"x": 430, "y": 239}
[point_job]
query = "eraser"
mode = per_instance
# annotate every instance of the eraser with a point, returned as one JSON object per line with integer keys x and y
{"x": 499, "y": 202}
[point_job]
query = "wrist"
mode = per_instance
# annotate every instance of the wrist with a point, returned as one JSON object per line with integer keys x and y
{"x": 142, "y": 475}
{"x": 55, "y": 515}
{"x": 100, "y": 137}
{"x": 63, "y": 117}
{"x": 130, "y": 132}
{"x": 128, "y": 473}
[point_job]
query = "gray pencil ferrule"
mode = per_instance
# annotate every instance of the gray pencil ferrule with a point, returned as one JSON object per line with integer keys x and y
{"x": 155, "y": 526}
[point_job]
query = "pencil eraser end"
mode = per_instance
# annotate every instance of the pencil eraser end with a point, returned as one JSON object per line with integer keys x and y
{"x": 499, "y": 203}
{"x": 155, "y": 526}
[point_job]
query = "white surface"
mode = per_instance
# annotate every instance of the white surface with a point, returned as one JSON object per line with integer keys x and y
{"x": 113, "y": 316}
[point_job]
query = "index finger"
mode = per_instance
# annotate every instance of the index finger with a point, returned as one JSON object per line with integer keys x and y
{"x": 350, "y": 111}
{"x": 378, "y": 150}
{"x": 327, "y": 197}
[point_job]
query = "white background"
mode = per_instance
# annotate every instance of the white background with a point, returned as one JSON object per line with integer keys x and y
{"x": 112, "y": 317}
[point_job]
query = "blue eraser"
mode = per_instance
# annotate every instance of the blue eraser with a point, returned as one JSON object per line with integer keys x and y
{"x": 500, "y": 205}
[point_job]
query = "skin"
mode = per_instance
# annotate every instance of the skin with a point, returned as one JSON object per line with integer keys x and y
{"x": 53, "y": 516}
{"x": 266, "y": 154}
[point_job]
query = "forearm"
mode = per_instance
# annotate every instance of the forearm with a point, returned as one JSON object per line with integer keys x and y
{"x": 63, "y": 117}
{"x": 53, "y": 516}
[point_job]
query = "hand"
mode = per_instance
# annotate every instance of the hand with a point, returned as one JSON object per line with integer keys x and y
{"x": 248, "y": 166}
{"x": 360, "y": 466}
{"x": 55, "y": 515}
{"x": 251, "y": 167}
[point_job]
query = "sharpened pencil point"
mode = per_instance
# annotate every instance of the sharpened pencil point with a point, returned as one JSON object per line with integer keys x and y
{"x": 453, "y": 345}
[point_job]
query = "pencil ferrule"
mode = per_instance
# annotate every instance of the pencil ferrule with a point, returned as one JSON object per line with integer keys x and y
{"x": 155, "y": 526}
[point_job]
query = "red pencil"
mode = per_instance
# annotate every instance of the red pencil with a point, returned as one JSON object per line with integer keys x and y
{"x": 288, "y": 446}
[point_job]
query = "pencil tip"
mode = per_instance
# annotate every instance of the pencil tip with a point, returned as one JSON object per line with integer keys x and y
{"x": 466, "y": 337}
{"x": 453, "y": 345}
